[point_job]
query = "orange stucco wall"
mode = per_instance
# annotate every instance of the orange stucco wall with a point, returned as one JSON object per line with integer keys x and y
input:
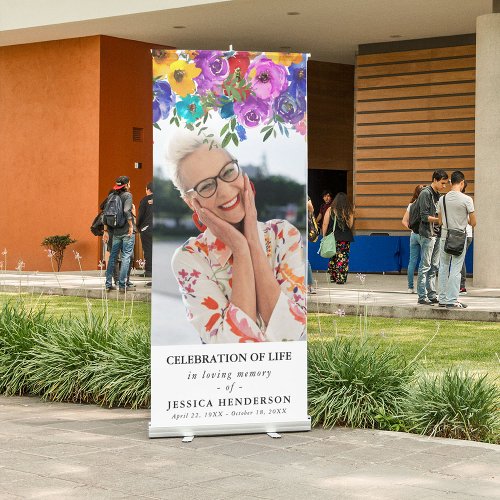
{"x": 125, "y": 103}
{"x": 49, "y": 144}
{"x": 67, "y": 109}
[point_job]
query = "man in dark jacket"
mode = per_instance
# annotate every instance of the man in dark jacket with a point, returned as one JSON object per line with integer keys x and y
{"x": 123, "y": 236}
{"x": 429, "y": 232}
{"x": 145, "y": 227}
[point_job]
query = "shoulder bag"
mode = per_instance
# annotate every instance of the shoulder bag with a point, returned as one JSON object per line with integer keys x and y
{"x": 455, "y": 238}
{"x": 328, "y": 245}
{"x": 313, "y": 229}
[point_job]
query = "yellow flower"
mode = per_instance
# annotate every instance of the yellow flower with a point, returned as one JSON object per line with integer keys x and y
{"x": 180, "y": 76}
{"x": 161, "y": 61}
{"x": 285, "y": 58}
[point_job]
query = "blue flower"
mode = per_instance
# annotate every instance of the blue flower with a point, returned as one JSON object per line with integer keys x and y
{"x": 242, "y": 133}
{"x": 290, "y": 107}
{"x": 163, "y": 100}
{"x": 189, "y": 108}
{"x": 227, "y": 109}
{"x": 297, "y": 78}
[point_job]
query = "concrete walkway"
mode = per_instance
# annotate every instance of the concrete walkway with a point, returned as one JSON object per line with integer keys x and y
{"x": 387, "y": 296}
{"x": 71, "y": 451}
{"x": 382, "y": 295}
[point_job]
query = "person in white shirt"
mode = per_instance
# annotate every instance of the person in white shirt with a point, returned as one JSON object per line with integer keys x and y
{"x": 455, "y": 214}
{"x": 241, "y": 280}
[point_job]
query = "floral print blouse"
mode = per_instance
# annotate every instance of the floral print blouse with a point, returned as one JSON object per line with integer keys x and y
{"x": 203, "y": 269}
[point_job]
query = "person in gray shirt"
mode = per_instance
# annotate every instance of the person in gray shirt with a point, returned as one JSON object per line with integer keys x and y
{"x": 459, "y": 213}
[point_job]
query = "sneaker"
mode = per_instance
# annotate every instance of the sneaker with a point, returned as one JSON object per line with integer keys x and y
{"x": 127, "y": 288}
{"x": 424, "y": 302}
{"x": 411, "y": 290}
{"x": 110, "y": 288}
{"x": 434, "y": 301}
{"x": 311, "y": 291}
{"x": 130, "y": 285}
{"x": 463, "y": 291}
{"x": 442, "y": 305}
{"x": 456, "y": 305}
{"x": 148, "y": 284}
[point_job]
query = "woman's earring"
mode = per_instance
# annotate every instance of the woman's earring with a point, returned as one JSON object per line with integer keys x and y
{"x": 196, "y": 219}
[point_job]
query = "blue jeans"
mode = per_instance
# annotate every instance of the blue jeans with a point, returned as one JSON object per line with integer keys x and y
{"x": 428, "y": 268}
{"x": 126, "y": 245}
{"x": 464, "y": 269}
{"x": 450, "y": 267}
{"x": 414, "y": 256}
{"x": 309, "y": 274}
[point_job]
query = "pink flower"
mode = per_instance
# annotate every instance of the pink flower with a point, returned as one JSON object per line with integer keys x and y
{"x": 188, "y": 288}
{"x": 195, "y": 274}
{"x": 267, "y": 79}
{"x": 183, "y": 274}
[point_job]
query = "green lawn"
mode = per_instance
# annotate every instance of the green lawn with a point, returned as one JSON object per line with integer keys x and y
{"x": 472, "y": 345}
{"x": 57, "y": 305}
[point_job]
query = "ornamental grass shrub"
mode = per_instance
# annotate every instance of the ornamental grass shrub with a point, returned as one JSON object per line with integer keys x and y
{"x": 19, "y": 327}
{"x": 455, "y": 404}
{"x": 90, "y": 360}
{"x": 352, "y": 382}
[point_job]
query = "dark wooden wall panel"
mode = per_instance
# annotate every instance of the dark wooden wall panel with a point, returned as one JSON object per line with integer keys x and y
{"x": 414, "y": 113}
{"x": 330, "y": 94}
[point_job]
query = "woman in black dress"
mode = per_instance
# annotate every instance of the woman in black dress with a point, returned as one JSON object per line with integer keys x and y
{"x": 341, "y": 215}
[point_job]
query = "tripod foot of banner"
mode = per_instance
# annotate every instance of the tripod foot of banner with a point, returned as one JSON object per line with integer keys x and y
{"x": 228, "y": 429}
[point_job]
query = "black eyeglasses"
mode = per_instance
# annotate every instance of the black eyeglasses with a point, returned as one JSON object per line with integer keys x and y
{"x": 207, "y": 187}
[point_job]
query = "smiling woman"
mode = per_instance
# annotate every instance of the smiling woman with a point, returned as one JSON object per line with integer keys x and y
{"x": 241, "y": 280}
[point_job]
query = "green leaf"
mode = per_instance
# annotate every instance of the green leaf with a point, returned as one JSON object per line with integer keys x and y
{"x": 278, "y": 119}
{"x": 235, "y": 139}
{"x": 286, "y": 132}
{"x": 189, "y": 126}
{"x": 274, "y": 133}
{"x": 155, "y": 125}
{"x": 266, "y": 128}
{"x": 205, "y": 118}
{"x": 226, "y": 140}
{"x": 280, "y": 127}
{"x": 224, "y": 129}
{"x": 233, "y": 123}
{"x": 267, "y": 134}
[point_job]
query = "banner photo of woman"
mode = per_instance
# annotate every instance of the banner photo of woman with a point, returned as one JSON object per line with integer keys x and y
{"x": 230, "y": 158}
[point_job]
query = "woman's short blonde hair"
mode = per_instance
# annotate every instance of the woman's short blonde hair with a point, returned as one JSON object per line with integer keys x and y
{"x": 181, "y": 144}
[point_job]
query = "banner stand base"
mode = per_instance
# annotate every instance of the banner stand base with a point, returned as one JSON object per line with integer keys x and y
{"x": 228, "y": 429}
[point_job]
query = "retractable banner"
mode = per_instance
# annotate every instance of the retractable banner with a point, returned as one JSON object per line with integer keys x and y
{"x": 229, "y": 351}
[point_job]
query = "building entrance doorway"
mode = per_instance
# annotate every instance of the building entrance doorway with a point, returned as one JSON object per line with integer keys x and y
{"x": 319, "y": 180}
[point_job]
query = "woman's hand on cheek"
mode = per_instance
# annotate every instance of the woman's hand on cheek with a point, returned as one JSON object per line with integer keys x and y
{"x": 250, "y": 220}
{"x": 221, "y": 229}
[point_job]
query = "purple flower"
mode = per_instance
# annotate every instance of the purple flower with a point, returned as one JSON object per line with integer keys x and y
{"x": 163, "y": 100}
{"x": 242, "y": 133}
{"x": 189, "y": 108}
{"x": 252, "y": 112}
{"x": 298, "y": 79}
{"x": 267, "y": 79}
{"x": 214, "y": 70}
{"x": 290, "y": 107}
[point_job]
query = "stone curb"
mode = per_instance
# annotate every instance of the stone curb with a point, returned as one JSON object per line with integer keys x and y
{"x": 414, "y": 312}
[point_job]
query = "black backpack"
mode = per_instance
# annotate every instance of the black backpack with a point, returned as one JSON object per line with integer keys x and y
{"x": 97, "y": 227}
{"x": 414, "y": 215}
{"x": 113, "y": 211}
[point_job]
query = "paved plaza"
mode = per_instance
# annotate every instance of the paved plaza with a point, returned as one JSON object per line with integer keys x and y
{"x": 72, "y": 451}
